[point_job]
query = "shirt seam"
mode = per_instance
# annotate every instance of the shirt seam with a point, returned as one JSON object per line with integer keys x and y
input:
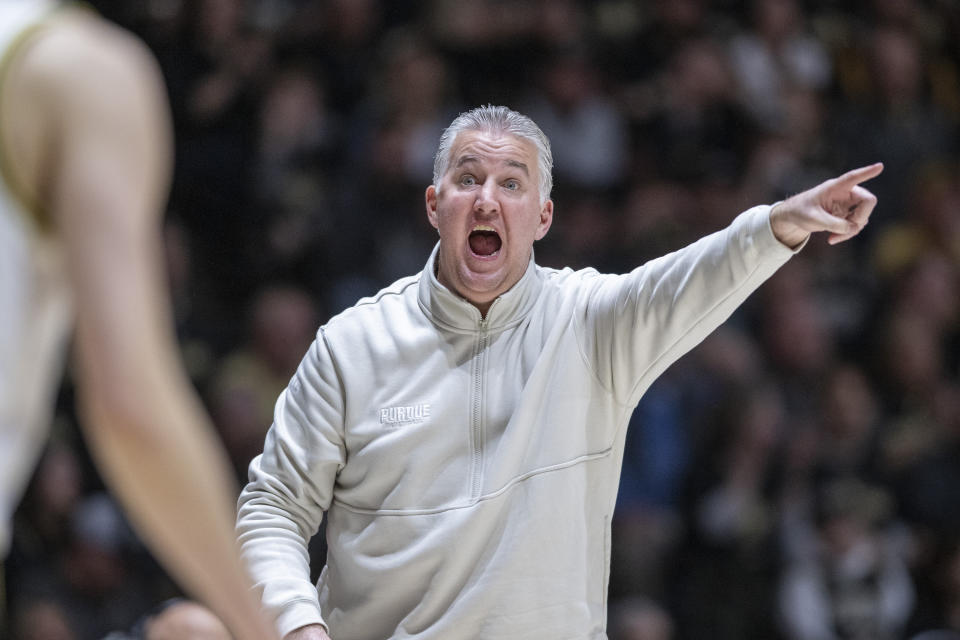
{"x": 387, "y": 292}
{"x": 341, "y": 428}
{"x": 508, "y": 486}
{"x": 36, "y": 215}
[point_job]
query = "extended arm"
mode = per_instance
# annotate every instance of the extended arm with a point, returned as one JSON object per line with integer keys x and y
{"x": 637, "y": 324}
{"x": 100, "y": 115}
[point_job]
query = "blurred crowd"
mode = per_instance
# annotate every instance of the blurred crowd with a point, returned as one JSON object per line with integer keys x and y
{"x": 795, "y": 477}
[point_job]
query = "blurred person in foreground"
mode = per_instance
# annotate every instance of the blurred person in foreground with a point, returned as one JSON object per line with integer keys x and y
{"x": 175, "y": 619}
{"x": 85, "y": 161}
{"x": 463, "y": 428}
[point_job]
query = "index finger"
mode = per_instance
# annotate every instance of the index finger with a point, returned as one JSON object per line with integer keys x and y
{"x": 855, "y": 176}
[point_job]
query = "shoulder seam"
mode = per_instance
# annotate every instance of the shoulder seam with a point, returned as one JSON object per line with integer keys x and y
{"x": 36, "y": 215}
{"x": 387, "y": 292}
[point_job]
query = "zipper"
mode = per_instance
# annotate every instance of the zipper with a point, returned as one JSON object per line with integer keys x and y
{"x": 476, "y": 413}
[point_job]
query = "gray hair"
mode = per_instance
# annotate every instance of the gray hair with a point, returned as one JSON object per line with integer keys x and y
{"x": 491, "y": 119}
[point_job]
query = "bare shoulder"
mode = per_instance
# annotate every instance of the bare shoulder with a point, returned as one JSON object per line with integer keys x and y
{"x": 84, "y": 58}
{"x": 80, "y": 82}
{"x": 84, "y": 100}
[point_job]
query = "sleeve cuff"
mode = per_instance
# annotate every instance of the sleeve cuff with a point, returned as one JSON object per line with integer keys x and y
{"x": 757, "y": 226}
{"x": 299, "y": 614}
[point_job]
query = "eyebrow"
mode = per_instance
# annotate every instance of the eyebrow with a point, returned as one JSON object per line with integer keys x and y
{"x": 510, "y": 163}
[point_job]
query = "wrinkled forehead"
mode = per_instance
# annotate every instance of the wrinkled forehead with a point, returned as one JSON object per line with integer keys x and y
{"x": 493, "y": 149}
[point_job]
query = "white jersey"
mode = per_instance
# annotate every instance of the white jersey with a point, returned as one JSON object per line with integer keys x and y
{"x": 35, "y": 308}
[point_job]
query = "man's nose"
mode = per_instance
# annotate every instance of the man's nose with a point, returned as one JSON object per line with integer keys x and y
{"x": 486, "y": 202}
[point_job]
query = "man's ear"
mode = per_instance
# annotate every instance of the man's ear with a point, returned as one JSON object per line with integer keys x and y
{"x": 431, "y": 201}
{"x": 546, "y": 219}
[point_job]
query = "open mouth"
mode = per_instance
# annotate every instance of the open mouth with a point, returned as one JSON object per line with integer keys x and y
{"x": 485, "y": 242}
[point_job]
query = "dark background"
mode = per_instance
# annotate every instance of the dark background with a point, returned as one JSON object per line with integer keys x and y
{"x": 795, "y": 476}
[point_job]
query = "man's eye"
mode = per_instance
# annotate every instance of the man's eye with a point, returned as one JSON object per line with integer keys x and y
{"x": 468, "y": 180}
{"x": 513, "y": 185}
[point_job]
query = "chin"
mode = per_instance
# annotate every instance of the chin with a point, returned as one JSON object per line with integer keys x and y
{"x": 484, "y": 287}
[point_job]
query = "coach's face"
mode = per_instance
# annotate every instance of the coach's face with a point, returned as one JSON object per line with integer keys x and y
{"x": 488, "y": 212}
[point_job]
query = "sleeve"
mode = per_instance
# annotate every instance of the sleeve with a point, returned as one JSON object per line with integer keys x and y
{"x": 633, "y": 326}
{"x": 290, "y": 486}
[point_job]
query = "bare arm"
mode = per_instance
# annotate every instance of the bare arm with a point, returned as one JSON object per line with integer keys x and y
{"x": 98, "y": 98}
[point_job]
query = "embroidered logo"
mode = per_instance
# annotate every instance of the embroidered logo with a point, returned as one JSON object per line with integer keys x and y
{"x": 395, "y": 417}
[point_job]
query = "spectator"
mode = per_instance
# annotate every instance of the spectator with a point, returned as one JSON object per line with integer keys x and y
{"x": 587, "y": 132}
{"x": 282, "y": 321}
{"x": 728, "y": 560}
{"x": 905, "y": 127}
{"x": 694, "y": 130}
{"x": 40, "y": 619}
{"x": 856, "y": 584}
{"x": 775, "y": 58}
{"x": 175, "y": 619}
{"x": 938, "y": 613}
{"x": 640, "y": 619}
{"x": 297, "y": 157}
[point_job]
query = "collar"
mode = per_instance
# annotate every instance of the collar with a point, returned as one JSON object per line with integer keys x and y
{"x": 449, "y": 310}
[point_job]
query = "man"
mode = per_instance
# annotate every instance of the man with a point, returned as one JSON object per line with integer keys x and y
{"x": 463, "y": 429}
{"x": 85, "y": 155}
